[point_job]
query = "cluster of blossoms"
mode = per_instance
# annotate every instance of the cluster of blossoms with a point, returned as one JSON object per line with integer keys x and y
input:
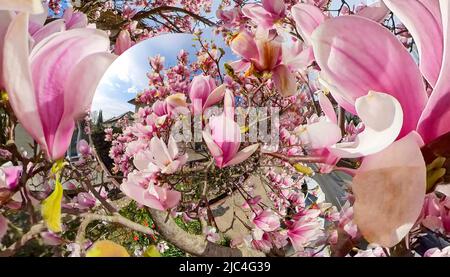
{"x": 286, "y": 63}
{"x": 346, "y": 101}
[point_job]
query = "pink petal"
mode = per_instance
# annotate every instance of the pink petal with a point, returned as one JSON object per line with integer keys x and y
{"x": 83, "y": 81}
{"x": 228, "y": 104}
{"x": 259, "y": 15}
{"x": 5, "y": 20}
{"x": 215, "y": 96}
{"x": 240, "y": 65}
{"x": 39, "y": 19}
{"x": 379, "y": 62}
{"x": 132, "y": 188}
{"x": 243, "y": 155}
{"x": 59, "y": 56}
{"x": 160, "y": 152}
{"x": 298, "y": 59}
{"x": 75, "y": 19}
{"x": 29, "y": 6}
{"x": 18, "y": 76}
{"x": 269, "y": 54}
{"x": 327, "y": 108}
{"x": 435, "y": 119}
{"x": 212, "y": 146}
{"x": 389, "y": 190}
{"x": 274, "y": 6}
{"x": 142, "y": 159}
{"x": 316, "y": 131}
{"x": 172, "y": 147}
{"x": 49, "y": 29}
{"x": 423, "y": 20}
{"x": 307, "y": 18}
{"x": 244, "y": 45}
{"x": 171, "y": 197}
{"x": 284, "y": 80}
{"x": 123, "y": 42}
{"x": 382, "y": 116}
{"x": 376, "y": 12}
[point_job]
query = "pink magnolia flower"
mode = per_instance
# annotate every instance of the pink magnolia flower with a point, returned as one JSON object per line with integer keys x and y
{"x": 230, "y": 18}
{"x": 50, "y": 238}
{"x": 307, "y": 18}
{"x": 74, "y": 19}
{"x": 53, "y": 85}
{"x": 160, "y": 108}
{"x": 304, "y": 231}
{"x": 222, "y": 135}
{"x": 263, "y": 54}
{"x": 267, "y": 221}
{"x": 211, "y": 234}
{"x": 267, "y": 14}
{"x": 381, "y": 114}
{"x": 436, "y": 252}
{"x": 71, "y": 20}
{"x": 347, "y": 64}
{"x": 123, "y": 42}
{"x": 160, "y": 157}
{"x": 260, "y": 241}
{"x": 83, "y": 148}
{"x": 143, "y": 190}
{"x": 10, "y": 176}
{"x": 204, "y": 93}
{"x": 352, "y": 67}
{"x": 86, "y": 200}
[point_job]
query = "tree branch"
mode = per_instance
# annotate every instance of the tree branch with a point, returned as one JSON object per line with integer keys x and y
{"x": 158, "y": 10}
{"x": 34, "y": 231}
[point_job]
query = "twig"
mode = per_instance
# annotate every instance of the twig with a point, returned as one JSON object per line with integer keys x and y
{"x": 34, "y": 231}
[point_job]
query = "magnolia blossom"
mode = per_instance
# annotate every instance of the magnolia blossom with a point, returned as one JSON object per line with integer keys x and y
{"x": 123, "y": 42}
{"x": 83, "y": 148}
{"x": 436, "y": 214}
{"x": 399, "y": 77}
{"x": 10, "y": 176}
{"x": 70, "y": 20}
{"x": 264, "y": 54}
{"x": 203, "y": 93}
{"x": 304, "y": 231}
{"x": 43, "y": 98}
{"x": 381, "y": 115}
{"x": 436, "y": 252}
{"x": 352, "y": 67}
{"x": 267, "y": 221}
{"x": 267, "y": 14}
{"x": 222, "y": 135}
{"x": 143, "y": 190}
{"x": 160, "y": 157}
{"x": 86, "y": 200}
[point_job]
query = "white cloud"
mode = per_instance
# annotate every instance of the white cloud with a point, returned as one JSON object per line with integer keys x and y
{"x": 133, "y": 90}
{"x": 110, "y": 105}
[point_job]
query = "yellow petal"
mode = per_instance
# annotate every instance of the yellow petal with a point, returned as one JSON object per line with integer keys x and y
{"x": 305, "y": 170}
{"x": 107, "y": 248}
{"x": 152, "y": 251}
{"x": 58, "y": 167}
{"x": 51, "y": 208}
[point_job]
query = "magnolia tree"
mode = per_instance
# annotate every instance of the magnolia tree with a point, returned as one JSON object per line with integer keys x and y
{"x": 318, "y": 87}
